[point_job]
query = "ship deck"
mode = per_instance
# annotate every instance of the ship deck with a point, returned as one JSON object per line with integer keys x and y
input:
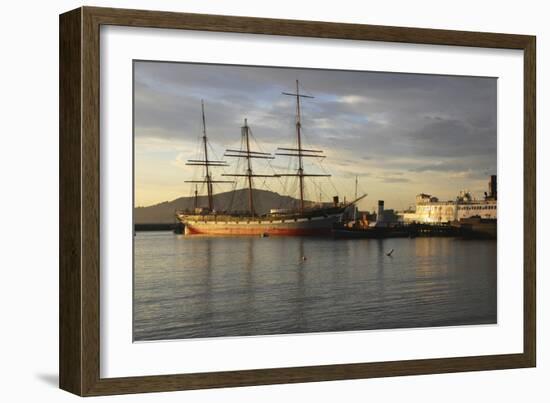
{"x": 269, "y": 218}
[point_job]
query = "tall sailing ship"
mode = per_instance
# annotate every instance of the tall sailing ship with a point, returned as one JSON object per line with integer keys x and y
{"x": 303, "y": 220}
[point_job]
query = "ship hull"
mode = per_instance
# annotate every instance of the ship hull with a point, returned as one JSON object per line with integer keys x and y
{"x": 308, "y": 226}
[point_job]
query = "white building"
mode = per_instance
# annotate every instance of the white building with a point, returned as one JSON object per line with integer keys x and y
{"x": 430, "y": 210}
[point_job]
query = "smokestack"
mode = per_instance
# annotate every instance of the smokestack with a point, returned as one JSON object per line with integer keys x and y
{"x": 336, "y": 201}
{"x": 380, "y": 213}
{"x": 493, "y": 187}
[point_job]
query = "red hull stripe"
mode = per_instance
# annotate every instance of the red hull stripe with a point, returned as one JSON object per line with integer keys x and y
{"x": 191, "y": 230}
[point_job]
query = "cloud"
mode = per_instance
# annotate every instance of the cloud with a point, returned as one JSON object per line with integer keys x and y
{"x": 369, "y": 123}
{"x": 393, "y": 179}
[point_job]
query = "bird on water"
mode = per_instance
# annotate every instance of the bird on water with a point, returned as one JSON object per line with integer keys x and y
{"x": 389, "y": 253}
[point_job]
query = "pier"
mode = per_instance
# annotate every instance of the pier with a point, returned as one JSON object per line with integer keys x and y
{"x": 471, "y": 229}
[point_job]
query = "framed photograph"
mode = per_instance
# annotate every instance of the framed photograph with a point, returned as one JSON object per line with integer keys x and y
{"x": 249, "y": 201}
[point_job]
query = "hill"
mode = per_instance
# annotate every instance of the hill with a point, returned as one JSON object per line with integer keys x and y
{"x": 236, "y": 200}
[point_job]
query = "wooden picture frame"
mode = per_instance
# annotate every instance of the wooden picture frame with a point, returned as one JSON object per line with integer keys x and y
{"x": 79, "y": 280}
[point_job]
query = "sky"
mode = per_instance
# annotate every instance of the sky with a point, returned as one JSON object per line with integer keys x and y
{"x": 399, "y": 134}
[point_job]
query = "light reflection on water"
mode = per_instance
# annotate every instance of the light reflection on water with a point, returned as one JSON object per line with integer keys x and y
{"x": 197, "y": 286}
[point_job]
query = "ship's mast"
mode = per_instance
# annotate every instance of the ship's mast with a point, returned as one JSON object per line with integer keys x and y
{"x": 207, "y": 176}
{"x": 249, "y": 170}
{"x": 207, "y": 163}
{"x": 355, "y": 198}
{"x": 299, "y": 137}
{"x": 300, "y": 152}
{"x": 249, "y": 155}
{"x": 196, "y": 197}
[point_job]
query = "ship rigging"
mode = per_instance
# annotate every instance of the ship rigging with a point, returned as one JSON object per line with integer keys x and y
{"x": 300, "y": 152}
{"x": 207, "y": 163}
{"x": 249, "y": 155}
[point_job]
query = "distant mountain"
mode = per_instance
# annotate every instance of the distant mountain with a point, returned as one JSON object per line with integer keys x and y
{"x": 232, "y": 201}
